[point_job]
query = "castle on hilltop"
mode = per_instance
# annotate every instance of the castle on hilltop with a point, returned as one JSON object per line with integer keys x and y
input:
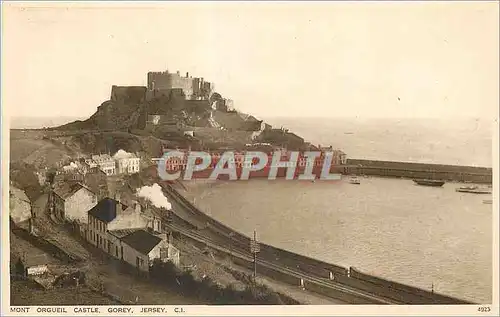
{"x": 163, "y": 84}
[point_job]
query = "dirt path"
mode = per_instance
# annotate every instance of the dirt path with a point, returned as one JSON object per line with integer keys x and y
{"x": 54, "y": 233}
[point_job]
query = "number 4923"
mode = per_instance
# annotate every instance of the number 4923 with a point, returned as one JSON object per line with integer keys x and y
{"x": 483, "y": 309}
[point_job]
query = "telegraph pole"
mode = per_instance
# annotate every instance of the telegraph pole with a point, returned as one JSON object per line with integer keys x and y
{"x": 254, "y": 249}
{"x": 231, "y": 247}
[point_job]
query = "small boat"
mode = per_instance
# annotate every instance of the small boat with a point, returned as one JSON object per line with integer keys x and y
{"x": 464, "y": 188}
{"x": 429, "y": 182}
{"x": 354, "y": 180}
{"x": 473, "y": 190}
{"x": 488, "y": 201}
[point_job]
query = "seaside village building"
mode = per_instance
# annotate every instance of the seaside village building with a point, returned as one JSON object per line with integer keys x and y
{"x": 19, "y": 206}
{"x": 70, "y": 201}
{"x": 106, "y": 163}
{"x": 127, "y": 163}
{"x": 90, "y": 164}
{"x": 130, "y": 234}
{"x": 121, "y": 163}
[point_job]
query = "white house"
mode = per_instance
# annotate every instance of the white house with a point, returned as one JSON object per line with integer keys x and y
{"x": 72, "y": 201}
{"x": 106, "y": 163}
{"x": 340, "y": 158}
{"x": 128, "y": 163}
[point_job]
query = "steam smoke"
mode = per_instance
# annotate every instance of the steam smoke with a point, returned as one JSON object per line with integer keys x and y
{"x": 155, "y": 195}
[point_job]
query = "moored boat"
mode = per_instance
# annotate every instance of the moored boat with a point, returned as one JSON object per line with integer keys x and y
{"x": 471, "y": 187}
{"x": 473, "y": 190}
{"x": 354, "y": 180}
{"x": 429, "y": 182}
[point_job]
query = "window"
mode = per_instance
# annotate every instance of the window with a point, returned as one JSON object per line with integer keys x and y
{"x": 117, "y": 251}
{"x": 163, "y": 253}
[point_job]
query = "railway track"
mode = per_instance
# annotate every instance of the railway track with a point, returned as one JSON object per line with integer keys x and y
{"x": 236, "y": 249}
{"x": 235, "y": 252}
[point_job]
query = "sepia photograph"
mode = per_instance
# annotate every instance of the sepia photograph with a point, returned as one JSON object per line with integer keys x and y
{"x": 197, "y": 158}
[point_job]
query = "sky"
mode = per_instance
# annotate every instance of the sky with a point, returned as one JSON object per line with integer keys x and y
{"x": 324, "y": 59}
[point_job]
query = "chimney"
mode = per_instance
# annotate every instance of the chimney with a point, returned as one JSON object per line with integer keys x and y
{"x": 157, "y": 224}
{"x": 187, "y": 74}
{"x": 163, "y": 236}
{"x": 118, "y": 202}
{"x": 30, "y": 226}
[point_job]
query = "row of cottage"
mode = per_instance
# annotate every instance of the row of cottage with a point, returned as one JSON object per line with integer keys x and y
{"x": 120, "y": 163}
{"x": 129, "y": 233}
{"x": 240, "y": 158}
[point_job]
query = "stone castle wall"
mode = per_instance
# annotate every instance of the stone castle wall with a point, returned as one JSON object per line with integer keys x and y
{"x": 194, "y": 88}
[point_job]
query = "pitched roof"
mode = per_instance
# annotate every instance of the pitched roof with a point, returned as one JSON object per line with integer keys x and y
{"x": 14, "y": 191}
{"x": 101, "y": 158}
{"x": 66, "y": 190}
{"x": 141, "y": 241}
{"x": 105, "y": 210}
{"x": 122, "y": 232}
{"x": 121, "y": 154}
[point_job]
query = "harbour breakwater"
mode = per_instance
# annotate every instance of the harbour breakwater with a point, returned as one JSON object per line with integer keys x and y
{"x": 457, "y": 173}
{"x": 350, "y": 277}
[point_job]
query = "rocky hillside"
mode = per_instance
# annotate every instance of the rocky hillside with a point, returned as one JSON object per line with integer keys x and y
{"x": 127, "y": 114}
{"x": 128, "y": 117}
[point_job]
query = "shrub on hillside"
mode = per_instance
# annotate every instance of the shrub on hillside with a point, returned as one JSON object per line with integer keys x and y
{"x": 206, "y": 289}
{"x": 24, "y": 177}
